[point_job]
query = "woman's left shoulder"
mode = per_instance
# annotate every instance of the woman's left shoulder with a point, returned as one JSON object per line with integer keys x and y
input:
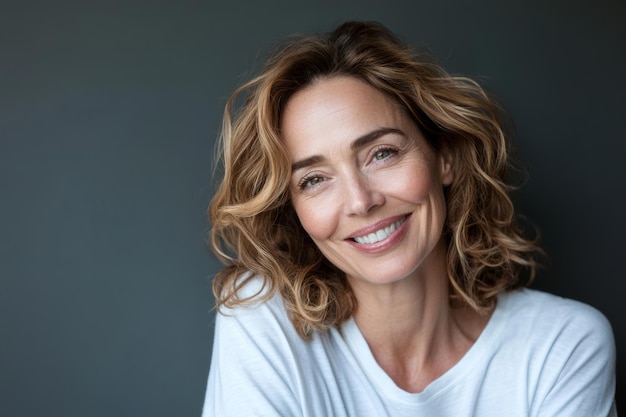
{"x": 563, "y": 349}
{"x": 553, "y": 314}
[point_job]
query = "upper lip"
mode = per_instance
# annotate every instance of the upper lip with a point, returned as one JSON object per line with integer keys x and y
{"x": 372, "y": 228}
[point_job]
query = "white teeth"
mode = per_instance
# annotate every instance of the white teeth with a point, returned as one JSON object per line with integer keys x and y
{"x": 380, "y": 234}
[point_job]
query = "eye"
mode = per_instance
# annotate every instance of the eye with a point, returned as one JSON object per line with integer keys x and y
{"x": 310, "y": 181}
{"x": 383, "y": 153}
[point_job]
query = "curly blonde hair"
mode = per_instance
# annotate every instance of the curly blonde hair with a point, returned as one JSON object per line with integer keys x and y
{"x": 255, "y": 227}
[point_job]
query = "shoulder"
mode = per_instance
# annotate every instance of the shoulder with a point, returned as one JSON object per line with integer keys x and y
{"x": 559, "y": 338}
{"x": 263, "y": 314}
{"x": 557, "y": 325}
{"x": 254, "y": 347}
{"x": 554, "y": 333}
{"x": 563, "y": 349}
{"x": 551, "y": 313}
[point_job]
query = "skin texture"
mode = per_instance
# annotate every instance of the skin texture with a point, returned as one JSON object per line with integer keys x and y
{"x": 360, "y": 164}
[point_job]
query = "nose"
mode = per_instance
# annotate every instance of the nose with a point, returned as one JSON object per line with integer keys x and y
{"x": 361, "y": 195}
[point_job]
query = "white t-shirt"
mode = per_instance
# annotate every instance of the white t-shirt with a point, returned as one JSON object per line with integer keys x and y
{"x": 539, "y": 355}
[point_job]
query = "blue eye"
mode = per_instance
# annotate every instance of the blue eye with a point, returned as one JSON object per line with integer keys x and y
{"x": 310, "y": 181}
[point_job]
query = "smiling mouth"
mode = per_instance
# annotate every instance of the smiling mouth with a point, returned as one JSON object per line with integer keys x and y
{"x": 379, "y": 235}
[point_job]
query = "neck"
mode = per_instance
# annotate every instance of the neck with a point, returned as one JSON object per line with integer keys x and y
{"x": 410, "y": 327}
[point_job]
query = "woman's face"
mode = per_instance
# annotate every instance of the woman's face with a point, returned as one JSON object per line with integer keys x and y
{"x": 365, "y": 185}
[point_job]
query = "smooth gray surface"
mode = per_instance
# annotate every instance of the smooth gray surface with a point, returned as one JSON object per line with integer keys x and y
{"x": 108, "y": 113}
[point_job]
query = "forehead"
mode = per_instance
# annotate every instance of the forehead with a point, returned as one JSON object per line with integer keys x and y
{"x": 336, "y": 110}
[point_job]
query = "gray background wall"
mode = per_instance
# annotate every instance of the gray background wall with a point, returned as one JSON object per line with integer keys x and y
{"x": 108, "y": 114}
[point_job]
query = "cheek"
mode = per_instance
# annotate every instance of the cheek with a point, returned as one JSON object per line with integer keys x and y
{"x": 316, "y": 218}
{"x": 412, "y": 185}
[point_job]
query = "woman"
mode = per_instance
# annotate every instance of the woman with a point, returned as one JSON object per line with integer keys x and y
{"x": 374, "y": 265}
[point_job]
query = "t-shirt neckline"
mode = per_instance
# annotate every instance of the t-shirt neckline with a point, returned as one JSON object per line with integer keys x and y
{"x": 387, "y": 387}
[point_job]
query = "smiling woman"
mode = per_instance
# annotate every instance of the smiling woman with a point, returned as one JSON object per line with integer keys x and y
{"x": 371, "y": 197}
{"x": 377, "y": 267}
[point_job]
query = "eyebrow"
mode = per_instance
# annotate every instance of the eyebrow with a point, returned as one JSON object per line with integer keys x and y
{"x": 356, "y": 144}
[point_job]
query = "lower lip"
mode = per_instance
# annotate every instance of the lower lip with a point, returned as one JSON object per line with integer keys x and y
{"x": 386, "y": 243}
